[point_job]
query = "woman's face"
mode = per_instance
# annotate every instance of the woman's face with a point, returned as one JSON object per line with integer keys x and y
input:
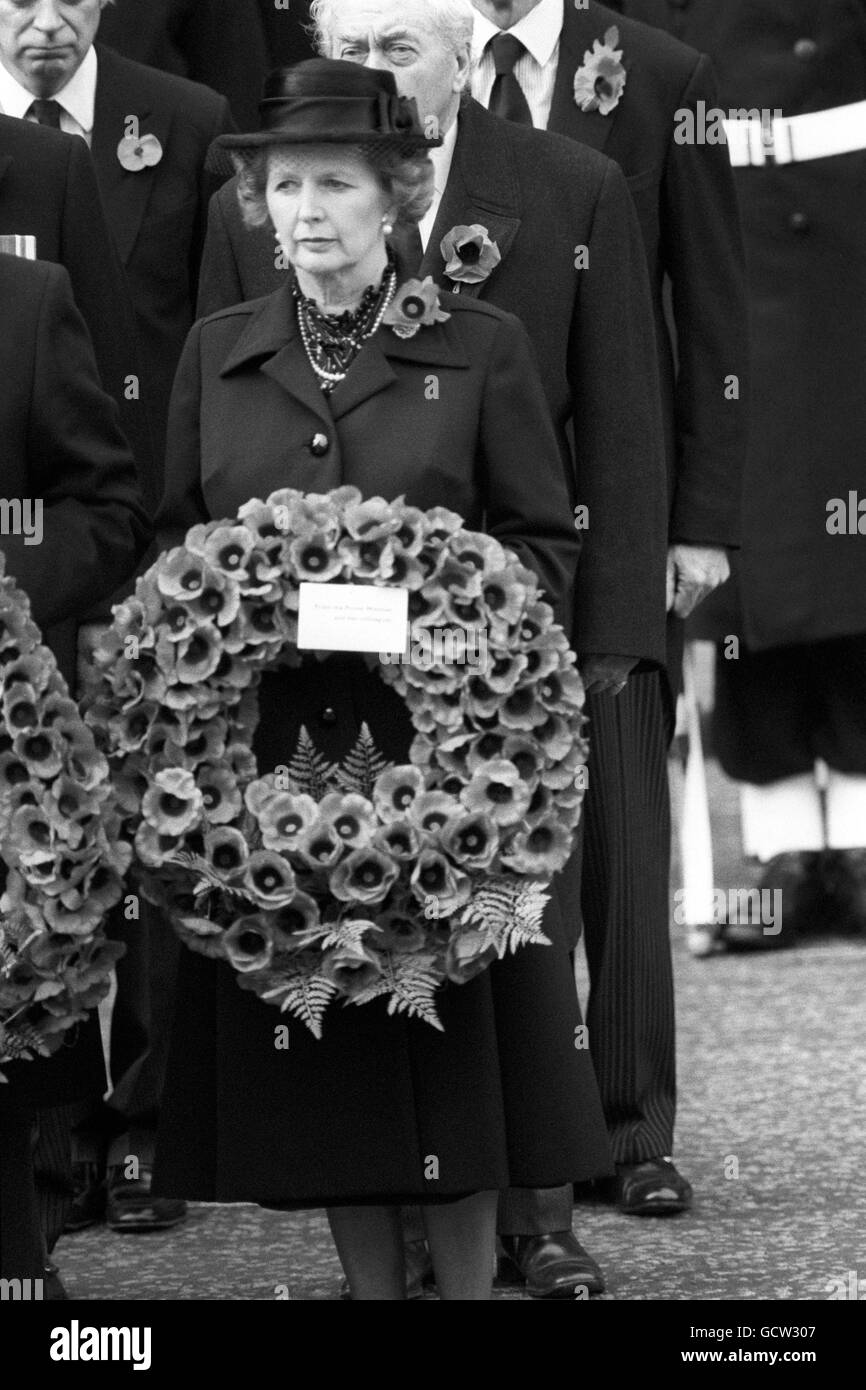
{"x": 327, "y": 207}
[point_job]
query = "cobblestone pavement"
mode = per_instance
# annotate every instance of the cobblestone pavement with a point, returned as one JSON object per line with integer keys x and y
{"x": 772, "y": 1075}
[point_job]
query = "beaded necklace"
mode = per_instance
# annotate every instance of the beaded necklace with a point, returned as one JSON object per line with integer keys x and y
{"x": 333, "y": 341}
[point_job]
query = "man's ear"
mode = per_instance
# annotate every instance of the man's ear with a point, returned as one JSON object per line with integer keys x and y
{"x": 464, "y": 69}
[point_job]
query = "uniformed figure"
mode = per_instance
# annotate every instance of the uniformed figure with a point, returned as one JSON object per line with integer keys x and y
{"x": 790, "y": 720}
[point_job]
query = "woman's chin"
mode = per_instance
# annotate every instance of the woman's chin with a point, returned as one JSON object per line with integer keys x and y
{"x": 324, "y": 261}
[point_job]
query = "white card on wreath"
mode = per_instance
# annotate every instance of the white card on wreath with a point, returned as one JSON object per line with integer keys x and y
{"x": 352, "y": 618}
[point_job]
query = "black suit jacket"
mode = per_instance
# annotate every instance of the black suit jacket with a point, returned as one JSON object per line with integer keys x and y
{"x": 247, "y": 407}
{"x": 157, "y": 215}
{"x": 61, "y": 443}
{"x": 541, "y": 197}
{"x": 48, "y": 189}
{"x": 687, "y": 205}
{"x": 218, "y": 42}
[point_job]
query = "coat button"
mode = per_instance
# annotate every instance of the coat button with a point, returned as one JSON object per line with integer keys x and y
{"x": 319, "y": 445}
{"x": 798, "y": 222}
{"x": 328, "y": 715}
{"x": 805, "y": 49}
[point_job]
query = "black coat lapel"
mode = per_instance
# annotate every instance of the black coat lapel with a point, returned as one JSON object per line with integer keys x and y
{"x": 580, "y": 29}
{"x": 482, "y": 187}
{"x": 125, "y": 193}
{"x": 271, "y": 339}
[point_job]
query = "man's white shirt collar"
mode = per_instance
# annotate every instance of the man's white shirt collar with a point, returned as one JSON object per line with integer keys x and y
{"x": 539, "y": 31}
{"x": 77, "y": 98}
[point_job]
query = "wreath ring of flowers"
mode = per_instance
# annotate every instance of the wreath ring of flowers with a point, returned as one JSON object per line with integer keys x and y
{"x": 60, "y": 844}
{"x": 318, "y": 881}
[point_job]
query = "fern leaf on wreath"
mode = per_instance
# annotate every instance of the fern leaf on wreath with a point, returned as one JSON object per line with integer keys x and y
{"x": 359, "y": 771}
{"x": 347, "y": 933}
{"x": 412, "y": 982}
{"x": 210, "y": 880}
{"x": 305, "y": 997}
{"x": 511, "y": 911}
{"x": 309, "y": 770}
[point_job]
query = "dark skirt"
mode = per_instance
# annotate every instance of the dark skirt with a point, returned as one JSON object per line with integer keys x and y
{"x": 380, "y": 1109}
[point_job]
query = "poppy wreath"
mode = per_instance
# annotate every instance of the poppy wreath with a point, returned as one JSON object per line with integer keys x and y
{"x": 59, "y": 842}
{"x": 318, "y": 881}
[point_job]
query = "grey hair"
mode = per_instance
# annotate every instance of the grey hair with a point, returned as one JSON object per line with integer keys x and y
{"x": 454, "y": 19}
{"x": 408, "y": 180}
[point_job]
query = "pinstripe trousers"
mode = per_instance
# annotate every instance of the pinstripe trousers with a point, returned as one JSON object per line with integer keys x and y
{"x": 625, "y": 904}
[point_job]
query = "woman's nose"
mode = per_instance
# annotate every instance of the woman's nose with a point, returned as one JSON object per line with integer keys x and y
{"x": 309, "y": 209}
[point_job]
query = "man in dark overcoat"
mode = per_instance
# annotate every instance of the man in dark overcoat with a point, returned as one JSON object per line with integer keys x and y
{"x": 791, "y": 663}
{"x": 686, "y": 203}
{"x": 571, "y": 265}
{"x": 62, "y": 445}
{"x": 49, "y": 192}
{"x": 148, "y": 133}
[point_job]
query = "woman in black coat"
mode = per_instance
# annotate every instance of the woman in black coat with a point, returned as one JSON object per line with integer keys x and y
{"x": 305, "y": 389}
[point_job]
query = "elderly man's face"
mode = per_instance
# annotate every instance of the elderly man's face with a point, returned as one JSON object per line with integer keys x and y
{"x": 44, "y": 42}
{"x": 402, "y": 36}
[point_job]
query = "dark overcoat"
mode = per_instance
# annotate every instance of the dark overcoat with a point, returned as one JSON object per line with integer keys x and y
{"x": 218, "y": 42}
{"x": 49, "y": 190}
{"x": 542, "y": 198}
{"x": 287, "y": 34}
{"x": 60, "y": 442}
{"x": 502, "y": 1096}
{"x": 157, "y": 214}
{"x": 806, "y": 254}
{"x": 687, "y": 207}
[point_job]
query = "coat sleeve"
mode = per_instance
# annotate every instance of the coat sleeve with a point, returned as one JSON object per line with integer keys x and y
{"x": 619, "y": 441}
{"x": 182, "y": 504}
{"x": 79, "y": 468}
{"x": 219, "y": 283}
{"x": 705, "y": 259}
{"x": 526, "y": 488}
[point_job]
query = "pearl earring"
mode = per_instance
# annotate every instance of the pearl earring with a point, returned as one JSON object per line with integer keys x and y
{"x": 387, "y": 226}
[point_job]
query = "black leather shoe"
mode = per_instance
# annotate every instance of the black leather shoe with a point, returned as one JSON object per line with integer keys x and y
{"x": 419, "y": 1272}
{"x": 52, "y": 1287}
{"x": 551, "y": 1266}
{"x": 89, "y": 1197}
{"x": 845, "y": 887}
{"x": 131, "y": 1208}
{"x": 652, "y": 1188}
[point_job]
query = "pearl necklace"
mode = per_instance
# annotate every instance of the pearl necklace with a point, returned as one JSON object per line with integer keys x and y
{"x": 353, "y": 340}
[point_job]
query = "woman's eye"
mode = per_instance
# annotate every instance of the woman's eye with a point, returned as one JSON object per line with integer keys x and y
{"x": 402, "y": 52}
